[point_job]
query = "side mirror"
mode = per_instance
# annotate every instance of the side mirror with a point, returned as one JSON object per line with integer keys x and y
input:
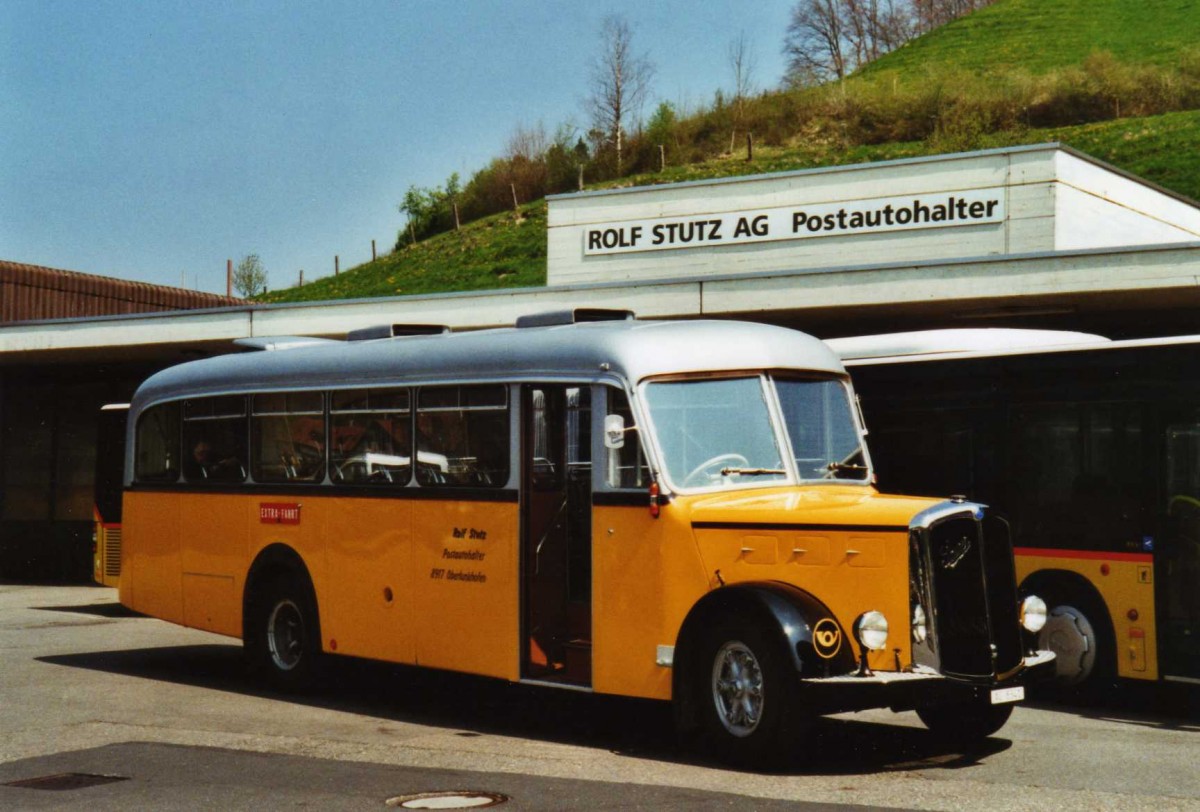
{"x": 614, "y": 431}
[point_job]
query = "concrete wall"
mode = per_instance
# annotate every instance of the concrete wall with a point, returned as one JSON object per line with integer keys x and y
{"x": 1046, "y": 199}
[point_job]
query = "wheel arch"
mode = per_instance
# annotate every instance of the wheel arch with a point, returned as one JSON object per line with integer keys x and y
{"x": 1064, "y": 583}
{"x": 272, "y": 561}
{"x": 787, "y": 613}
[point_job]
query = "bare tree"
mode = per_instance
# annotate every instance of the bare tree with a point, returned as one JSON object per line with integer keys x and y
{"x": 250, "y": 277}
{"x": 815, "y": 43}
{"x": 874, "y": 27}
{"x": 828, "y": 39}
{"x": 619, "y": 82}
{"x": 529, "y": 143}
{"x": 929, "y": 14}
{"x": 742, "y": 62}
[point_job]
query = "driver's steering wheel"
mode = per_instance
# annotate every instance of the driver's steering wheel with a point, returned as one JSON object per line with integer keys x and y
{"x": 703, "y": 473}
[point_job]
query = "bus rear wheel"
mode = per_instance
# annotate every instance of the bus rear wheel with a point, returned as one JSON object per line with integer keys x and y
{"x": 282, "y": 642}
{"x": 747, "y": 706}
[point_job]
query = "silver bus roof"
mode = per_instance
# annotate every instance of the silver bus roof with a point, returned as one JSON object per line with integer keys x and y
{"x": 627, "y": 349}
{"x": 972, "y": 340}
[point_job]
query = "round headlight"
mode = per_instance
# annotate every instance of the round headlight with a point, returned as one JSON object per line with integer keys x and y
{"x": 1033, "y": 614}
{"x": 920, "y": 630}
{"x": 871, "y": 630}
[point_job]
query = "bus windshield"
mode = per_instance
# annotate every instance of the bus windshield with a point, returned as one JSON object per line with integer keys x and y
{"x": 726, "y": 432}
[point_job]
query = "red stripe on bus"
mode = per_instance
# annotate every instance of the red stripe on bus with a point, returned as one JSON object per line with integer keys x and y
{"x": 1091, "y": 555}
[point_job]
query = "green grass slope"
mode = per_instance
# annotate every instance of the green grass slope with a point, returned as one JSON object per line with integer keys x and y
{"x": 507, "y": 251}
{"x": 502, "y": 251}
{"x": 1040, "y": 35}
{"x": 1009, "y": 37}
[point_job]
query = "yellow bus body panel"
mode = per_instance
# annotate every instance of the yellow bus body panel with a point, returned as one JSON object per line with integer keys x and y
{"x": 468, "y": 614}
{"x": 151, "y": 571}
{"x": 437, "y": 582}
{"x": 428, "y": 582}
{"x": 649, "y": 573}
{"x": 1127, "y": 588}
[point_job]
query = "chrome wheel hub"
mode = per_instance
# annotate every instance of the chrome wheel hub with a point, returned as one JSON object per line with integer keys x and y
{"x": 285, "y": 635}
{"x": 737, "y": 688}
{"x": 1071, "y": 637}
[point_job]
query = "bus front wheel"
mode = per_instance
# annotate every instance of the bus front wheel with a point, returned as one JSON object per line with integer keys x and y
{"x": 282, "y": 642}
{"x": 965, "y": 723}
{"x": 746, "y": 703}
{"x": 1078, "y": 631}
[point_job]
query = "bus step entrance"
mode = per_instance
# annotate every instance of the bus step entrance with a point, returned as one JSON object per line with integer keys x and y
{"x": 577, "y": 656}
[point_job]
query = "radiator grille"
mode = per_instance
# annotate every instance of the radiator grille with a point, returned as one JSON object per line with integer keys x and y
{"x": 966, "y": 573}
{"x": 960, "y": 598}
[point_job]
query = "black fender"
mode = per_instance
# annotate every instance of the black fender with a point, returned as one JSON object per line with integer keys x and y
{"x": 787, "y": 612}
{"x": 272, "y": 560}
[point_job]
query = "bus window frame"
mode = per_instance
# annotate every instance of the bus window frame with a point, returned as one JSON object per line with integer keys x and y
{"x": 255, "y": 424}
{"x": 602, "y": 405}
{"x": 779, "y": 429}
{"x": 387, "y": 482}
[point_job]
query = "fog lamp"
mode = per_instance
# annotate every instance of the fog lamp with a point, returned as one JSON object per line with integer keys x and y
{"x": 1033, "y": 613}
{"x": 871, "y": 630}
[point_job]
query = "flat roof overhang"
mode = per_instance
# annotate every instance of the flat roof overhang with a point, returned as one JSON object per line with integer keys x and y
{"x": 1069, "y": 289}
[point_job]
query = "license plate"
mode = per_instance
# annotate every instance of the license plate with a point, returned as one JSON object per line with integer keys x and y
{"x": 1002, "y": 695}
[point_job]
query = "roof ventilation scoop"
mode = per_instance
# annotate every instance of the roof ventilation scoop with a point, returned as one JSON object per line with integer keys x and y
{"x": 396, "y": 331}
{"x": 554, "y": 318}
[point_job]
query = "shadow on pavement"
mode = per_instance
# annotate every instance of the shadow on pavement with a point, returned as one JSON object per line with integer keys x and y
{"x": 477, "y": 706}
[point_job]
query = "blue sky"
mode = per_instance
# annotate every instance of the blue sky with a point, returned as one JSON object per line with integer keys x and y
{"x": 154, "y": 140}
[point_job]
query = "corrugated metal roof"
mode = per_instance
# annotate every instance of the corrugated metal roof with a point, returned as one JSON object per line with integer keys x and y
{"x": 30, "y": 292}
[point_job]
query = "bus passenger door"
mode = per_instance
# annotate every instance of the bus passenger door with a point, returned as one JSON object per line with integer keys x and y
{"x": 556, "y": 534}
{"x": 1177, "y": 554}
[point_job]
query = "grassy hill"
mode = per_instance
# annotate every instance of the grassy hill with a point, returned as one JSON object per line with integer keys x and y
{"x": 1040, "y": 35}
{"x": 1013, "y": 37}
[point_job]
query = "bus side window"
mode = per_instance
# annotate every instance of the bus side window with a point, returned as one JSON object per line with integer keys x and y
{"x": 214, "y": 439}
{"x": 372, "y": 437}
{"x": 625, "y": 467}
{"x": 287, "y": 435}
{"x": 156, "y": 458}
{"x": 463, "y": 436}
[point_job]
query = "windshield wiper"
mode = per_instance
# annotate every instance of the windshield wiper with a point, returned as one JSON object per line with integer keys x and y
{"x": 752, "y": 471}
{"x": 844, "y": 466}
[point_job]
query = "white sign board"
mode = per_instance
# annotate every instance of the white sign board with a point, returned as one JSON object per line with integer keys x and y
{"x": 974, "y": 207}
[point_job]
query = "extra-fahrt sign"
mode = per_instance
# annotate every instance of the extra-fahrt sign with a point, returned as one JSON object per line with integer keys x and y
{"x": 975, "y": 207}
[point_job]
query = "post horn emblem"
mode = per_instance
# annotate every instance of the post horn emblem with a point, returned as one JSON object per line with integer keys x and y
{"x": 827, "y": 638}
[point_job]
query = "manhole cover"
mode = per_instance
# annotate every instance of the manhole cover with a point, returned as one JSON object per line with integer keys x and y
{"x": 65, "y": 781}
{"x": 456, "y": 799}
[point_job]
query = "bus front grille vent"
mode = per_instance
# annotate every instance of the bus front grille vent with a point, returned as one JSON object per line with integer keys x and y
{"x": 112, "y": 552}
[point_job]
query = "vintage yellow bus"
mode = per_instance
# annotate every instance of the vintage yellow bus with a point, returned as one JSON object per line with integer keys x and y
{"x": 671, "y": 510}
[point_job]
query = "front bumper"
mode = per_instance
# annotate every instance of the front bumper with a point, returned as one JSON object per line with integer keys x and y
{"x": 921, "y": 687}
